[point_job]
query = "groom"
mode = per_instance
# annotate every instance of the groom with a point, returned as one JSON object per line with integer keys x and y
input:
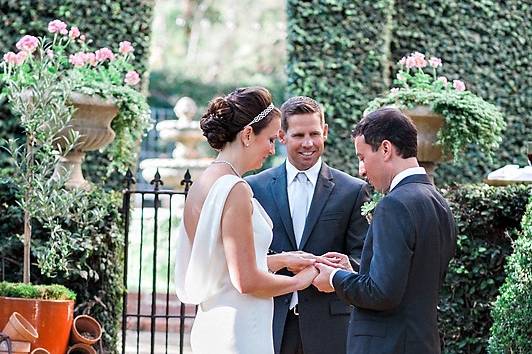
{"x": 407, "y": 250}
{"x": 315, "y": 209}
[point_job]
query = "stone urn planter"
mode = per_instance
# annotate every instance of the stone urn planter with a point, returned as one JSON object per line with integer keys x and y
{"x": 52, "y": 320}
{"x": 92, "y": 119}
{"x": 427, "y": 124}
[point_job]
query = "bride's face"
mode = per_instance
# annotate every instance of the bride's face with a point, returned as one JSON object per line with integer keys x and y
{"x": 264, "y": 143}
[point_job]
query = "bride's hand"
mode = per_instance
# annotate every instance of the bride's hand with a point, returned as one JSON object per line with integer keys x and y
{"x": 306, "y": 276}
{"x": 296, "y": 261}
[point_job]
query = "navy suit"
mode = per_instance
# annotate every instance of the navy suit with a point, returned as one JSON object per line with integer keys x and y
{"x": 333, "y": 223}
{"x": 410, "y": 241}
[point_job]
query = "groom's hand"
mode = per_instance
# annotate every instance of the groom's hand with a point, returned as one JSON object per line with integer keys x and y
{"x": 321, "y": 282}
{"x": 338, "y": 260}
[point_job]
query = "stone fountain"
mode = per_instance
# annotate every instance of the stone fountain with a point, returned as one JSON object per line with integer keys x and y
{"x": 187, "y": 136}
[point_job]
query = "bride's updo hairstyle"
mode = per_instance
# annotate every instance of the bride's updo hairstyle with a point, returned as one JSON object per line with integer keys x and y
{"x": 226, "y": 116}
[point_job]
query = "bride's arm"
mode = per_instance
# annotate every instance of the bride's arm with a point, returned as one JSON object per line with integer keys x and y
{"x": 237, "y": 237}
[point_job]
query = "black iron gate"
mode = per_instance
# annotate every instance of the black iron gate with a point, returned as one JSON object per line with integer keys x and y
{"x": 150, "y": 306}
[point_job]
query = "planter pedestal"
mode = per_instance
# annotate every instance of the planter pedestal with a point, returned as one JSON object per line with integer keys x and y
{"x": 92, "y": 119}
{"x": 427, "y": 124}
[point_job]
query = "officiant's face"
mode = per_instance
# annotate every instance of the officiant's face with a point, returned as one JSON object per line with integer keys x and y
{"x": 304, "y": 139}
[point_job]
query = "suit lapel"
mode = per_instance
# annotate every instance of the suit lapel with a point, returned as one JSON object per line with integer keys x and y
{"x": 280, "y": 196}
{"x": 324, "y": 187}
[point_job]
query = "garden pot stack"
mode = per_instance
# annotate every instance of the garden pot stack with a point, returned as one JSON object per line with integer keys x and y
{"x": 86, "y": 332}
{"x": 21, "y": 333}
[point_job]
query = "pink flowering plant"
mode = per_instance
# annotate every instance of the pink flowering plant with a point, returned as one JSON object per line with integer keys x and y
{"x": 468, "y": 118}
{"x": 106, "y": 72}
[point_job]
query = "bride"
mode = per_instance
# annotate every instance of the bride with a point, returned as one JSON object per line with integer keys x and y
{"x": 225, "y": 233}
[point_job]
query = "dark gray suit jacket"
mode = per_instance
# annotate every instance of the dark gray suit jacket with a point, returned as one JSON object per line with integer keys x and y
{"x": 333, "y": 223}
{"x": 410, "y": 241}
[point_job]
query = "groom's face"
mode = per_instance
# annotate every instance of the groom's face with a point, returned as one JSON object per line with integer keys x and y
{"x": 304, "y": 139}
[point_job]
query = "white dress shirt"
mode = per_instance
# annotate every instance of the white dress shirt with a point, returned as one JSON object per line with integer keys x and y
{"x": 291, "y": 172}
{"x": 395, "y": 181}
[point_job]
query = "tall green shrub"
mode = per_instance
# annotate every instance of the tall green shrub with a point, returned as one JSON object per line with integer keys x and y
{"x": 512, "y": 313}
{"x": 337, "y": 52}
{"x": 487, "y": 218}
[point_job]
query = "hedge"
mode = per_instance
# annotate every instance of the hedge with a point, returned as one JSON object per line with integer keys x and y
{"x": 343, "y": 54}
{"x": 487, "y": 218}
{"x": 512, "y": 313}
{"x": 97, "y": 276}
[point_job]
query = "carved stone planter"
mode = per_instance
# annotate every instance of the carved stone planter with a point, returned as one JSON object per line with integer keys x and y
{"x": 92, "y": 119}
{"x": 427, "y": 124}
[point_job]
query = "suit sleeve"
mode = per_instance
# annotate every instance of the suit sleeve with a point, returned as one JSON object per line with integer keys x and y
{"x": 382, "y": 287}
{"x": 357, "y": 229}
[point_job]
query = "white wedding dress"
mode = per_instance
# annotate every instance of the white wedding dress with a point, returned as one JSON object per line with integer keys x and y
{"x": 227, "y": 321}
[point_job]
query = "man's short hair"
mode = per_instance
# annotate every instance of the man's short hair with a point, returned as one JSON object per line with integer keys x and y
{"x": 390, "y": 124}
{"x": 299, "y": 105}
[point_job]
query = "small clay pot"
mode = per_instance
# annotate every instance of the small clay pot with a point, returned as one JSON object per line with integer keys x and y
{"x": 19, "y": 329}
{"x": 81, "y": 348}
{"x": 85, "y": 329}
{"x": 39, "y": 351}
{"x": 17, "y": 347}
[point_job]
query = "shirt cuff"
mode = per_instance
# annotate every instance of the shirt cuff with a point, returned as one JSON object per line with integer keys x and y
{"x": 332, "y": 276}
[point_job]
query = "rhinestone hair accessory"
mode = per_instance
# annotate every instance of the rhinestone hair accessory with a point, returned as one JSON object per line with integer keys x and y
{"x": 262, "y": 114}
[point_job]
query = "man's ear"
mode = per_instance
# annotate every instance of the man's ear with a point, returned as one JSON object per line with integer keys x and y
{"x": 282, "y": 136}
{"x": 325, "y": 131}
{"x": 388, "y": 149}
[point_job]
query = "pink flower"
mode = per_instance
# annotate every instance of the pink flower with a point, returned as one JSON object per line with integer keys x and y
{"x": 458, "y": 85}
{"x": 91, "y": 59}
{"x": 28, "y": 44}
{"x": 103, "y": 54}
{"x": 50, "y": 53}
{"x": 82, "y": 38}
{"x": 394, "y": 91}
{"x": 57, "y": 26}
{"x": 132, "y": 78}
{"x": 10, "y": 58}
{"x": 125, "y": 47}
{"x": 77, "y": 59}
{"x": 443, "y": 79}
{"x": 417, "y": 60}
{"x": 21, "y": 56}
{"x": 402, "y": 62}
{"x": 74, "y": 33}
{"x": 435, "y": 62}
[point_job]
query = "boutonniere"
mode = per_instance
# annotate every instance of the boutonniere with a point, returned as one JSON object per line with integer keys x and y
{"x": 367, "y": 208}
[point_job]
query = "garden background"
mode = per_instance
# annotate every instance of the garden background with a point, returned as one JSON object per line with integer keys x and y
{"x": 343, "y": 54}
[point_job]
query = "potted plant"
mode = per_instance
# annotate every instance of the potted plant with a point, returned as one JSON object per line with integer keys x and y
{"x": 101, "y": 82}
{"x": 49, "y": 308}
{"x": 448, "y": 117}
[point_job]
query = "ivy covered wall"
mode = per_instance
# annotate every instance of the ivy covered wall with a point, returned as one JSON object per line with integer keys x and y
{"x": 343, "y": 54}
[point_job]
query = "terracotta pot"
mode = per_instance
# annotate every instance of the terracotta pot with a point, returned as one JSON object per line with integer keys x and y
{"x": 51, "y": 318}
{"x": 39, "y": 351}
{"x": 81, "y": 348}
{"x": 20, "y": 329}
{"x": 85, "y": 329}
{"x": 16, "y": 347}
{"x": 92, "y": 119}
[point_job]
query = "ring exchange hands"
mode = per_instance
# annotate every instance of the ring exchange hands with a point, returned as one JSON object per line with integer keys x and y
{"x": 334, "y": 260}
